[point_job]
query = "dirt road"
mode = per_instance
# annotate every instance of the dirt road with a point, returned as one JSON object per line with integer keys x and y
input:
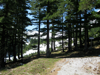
{"x": 77, "y": 66}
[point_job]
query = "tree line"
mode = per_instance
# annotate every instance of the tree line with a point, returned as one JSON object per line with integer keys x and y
{"x": 13, "y": 21}
{"x": 71, "y": 17}
{"x": 77, "y": 13}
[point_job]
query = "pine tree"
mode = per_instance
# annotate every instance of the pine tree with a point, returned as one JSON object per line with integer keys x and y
{"x": 11, "y": 22}
{"x": 38, "y": 14}
{"x": 49, "y": 10}
{"x": 53, "y": 37}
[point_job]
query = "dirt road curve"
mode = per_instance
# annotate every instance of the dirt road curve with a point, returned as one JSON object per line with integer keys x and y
{"x": 77, "y": 66}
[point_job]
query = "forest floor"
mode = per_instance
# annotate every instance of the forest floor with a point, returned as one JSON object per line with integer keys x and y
{"x": 60, "y": 63}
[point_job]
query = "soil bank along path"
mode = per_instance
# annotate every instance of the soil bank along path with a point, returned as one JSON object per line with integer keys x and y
{"x": 77, "y": 66}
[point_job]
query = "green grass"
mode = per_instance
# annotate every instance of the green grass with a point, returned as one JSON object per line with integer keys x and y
{"x": 41, "y": 66}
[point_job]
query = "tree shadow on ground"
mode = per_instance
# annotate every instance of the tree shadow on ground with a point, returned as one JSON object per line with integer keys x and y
{"x": 11, "y": 64}
{"x": 77, "y": 53}
{"x": 20, "y": 62}
{"x": 56, "y": 54}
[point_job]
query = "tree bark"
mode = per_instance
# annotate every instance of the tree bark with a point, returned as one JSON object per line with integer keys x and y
{"x": 86, "y": 32}
{"x": 14, "y": 48}
{"x": 62, "y": 37}
{"x": 39, "y": 36}
{"x": 2, "y": 53}
{"x": 48, "y": 51}
{"x": 52, "y": 42}
{"x": 80, "y": 32}
{"x": 69, "y": 38}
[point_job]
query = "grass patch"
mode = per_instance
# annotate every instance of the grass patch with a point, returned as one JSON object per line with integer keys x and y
{"x": 38, "y": 66}
{"x": 43, "y": 66}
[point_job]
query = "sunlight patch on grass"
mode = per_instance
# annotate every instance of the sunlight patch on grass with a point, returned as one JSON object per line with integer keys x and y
{"x": 59, "y": 52}
{"x": 97, "y": 47}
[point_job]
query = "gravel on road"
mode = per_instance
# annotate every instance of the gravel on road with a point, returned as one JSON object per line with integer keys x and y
{"x": 77, "y": 66}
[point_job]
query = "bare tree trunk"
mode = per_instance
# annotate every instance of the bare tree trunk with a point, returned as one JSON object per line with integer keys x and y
{"x": 18, "y": 51}
{"x": 52, "y": 42}
{"x": 62, "y": 37}
{"x": 80, "y": 32}
{"x": 48, "y": 51}
{"x": 74, "y": 34}
{"x": 21, "y": 49}
{"x": 2, "y": 53}
{"x": 69, "y": 38}
{"x": 14, "y": 47}
{"x": 86, "y": 31}
{"x": 76, "y": 47}
{"x": 39, "y": 37}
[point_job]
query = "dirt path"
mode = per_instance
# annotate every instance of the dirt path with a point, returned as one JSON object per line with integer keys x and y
{"x": 77, "y": 66}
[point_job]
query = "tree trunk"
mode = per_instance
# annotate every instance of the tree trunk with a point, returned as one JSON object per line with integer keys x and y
{"x": 80, "y": 33}
{"x": 62, "y": 37}
{"x": 48, "y": 51}
{"x": 2, "y": 53}
{"x": 62, "y": 40}
{"x": 69, "y": 35}
{"x": 74, "y": 34}
{"x": 21, "y": 49}
{"x": 77, "y": 4}
{"x": 69, "y": 38}
{"x": 14, "y": 48}
{"x": 18, "y": 51}
{"x": 76, "y": 39}
{"x": 39, "y": 37}
{"x": 52, "y": 42}
{"x": 9, "y": 49}
{"x": 86, "y": 32}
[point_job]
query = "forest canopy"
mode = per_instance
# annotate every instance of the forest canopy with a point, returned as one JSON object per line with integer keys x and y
{"x": 72, "y": 18}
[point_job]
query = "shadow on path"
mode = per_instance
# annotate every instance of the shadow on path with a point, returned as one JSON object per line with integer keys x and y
{"x": 56, "y": 54}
